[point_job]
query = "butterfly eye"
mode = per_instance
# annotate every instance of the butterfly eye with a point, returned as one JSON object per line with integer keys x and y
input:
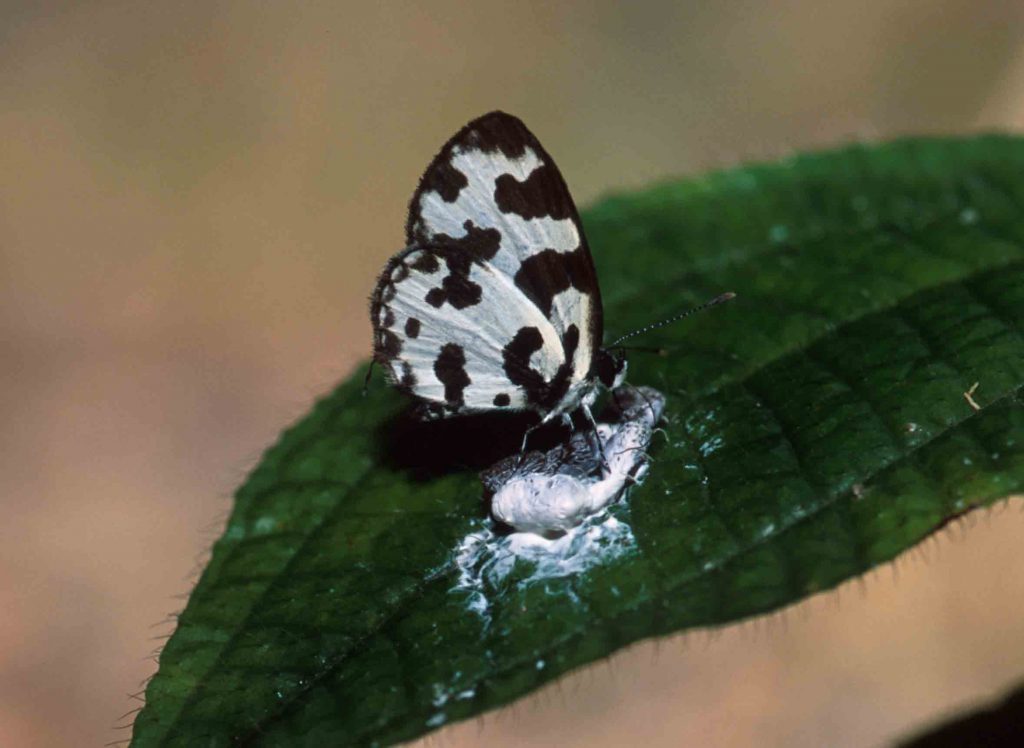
{"x": 607, "y": 367}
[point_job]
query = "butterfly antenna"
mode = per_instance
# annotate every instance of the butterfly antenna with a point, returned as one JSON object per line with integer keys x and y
{"x": 715, "y": 301}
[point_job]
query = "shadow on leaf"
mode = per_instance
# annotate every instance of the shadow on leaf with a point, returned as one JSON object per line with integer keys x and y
{"x": 431, "y": 449}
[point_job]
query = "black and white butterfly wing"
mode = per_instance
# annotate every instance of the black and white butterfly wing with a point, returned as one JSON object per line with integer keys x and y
{"x": 451, "y": 330}
{"x": 494, "y": 175}
{"x": 496, "y": 303}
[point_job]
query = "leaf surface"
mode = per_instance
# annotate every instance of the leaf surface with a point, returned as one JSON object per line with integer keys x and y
{"x": 816, "y": 427}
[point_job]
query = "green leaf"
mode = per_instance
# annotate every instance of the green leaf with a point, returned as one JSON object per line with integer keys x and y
{"x": 817, "y": 427}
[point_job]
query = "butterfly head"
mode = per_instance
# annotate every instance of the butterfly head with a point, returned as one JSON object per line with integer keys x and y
{"x": 609, "y": 368}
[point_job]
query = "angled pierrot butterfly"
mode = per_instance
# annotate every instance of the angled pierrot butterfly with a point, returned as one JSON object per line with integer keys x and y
{"x": 494, "y": 304}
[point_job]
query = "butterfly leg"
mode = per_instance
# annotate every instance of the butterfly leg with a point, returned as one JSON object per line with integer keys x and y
{"x": 526, "y": 437}
{"x": 647, "y": 400}
{"x": 605, "y": 468}
{"x": 366, "y": 382}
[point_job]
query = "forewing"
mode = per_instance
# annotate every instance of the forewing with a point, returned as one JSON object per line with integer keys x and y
{"x": 458, "y": 333}
{"x": 494, "y": 192}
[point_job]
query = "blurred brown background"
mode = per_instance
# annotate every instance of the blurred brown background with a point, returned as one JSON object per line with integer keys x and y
{"x": 194, "y": 201}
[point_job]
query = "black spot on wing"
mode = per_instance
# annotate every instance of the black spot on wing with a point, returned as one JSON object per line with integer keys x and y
{"x": 459, "y": 255}
{"x": 501, "y": 400}
{"x": 456, "y": 288}
{"x": 546, "y": 274}
{"x": 542, "y": 195}
{"x": 516, "y": 361}
{"x": 412, "y": 327}
{"x": 559, "y": 384}
{"x": 450, "y": 368}
{"x": 425, "y": 262}
{"x": 478, "y": 243}
{"x": 496, "y": 131}
{"x": 444, "y": 179}
{"x": 570, "y": 341}
{"x": 408, "y": 379}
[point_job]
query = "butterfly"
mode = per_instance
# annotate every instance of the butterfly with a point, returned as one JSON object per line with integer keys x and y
{"x": 494, "y": 304}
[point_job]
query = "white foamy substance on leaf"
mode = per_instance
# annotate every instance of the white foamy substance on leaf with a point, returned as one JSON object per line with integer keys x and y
{"x": 559, "y": 504}
{"x": 548, "y": 493}
{"x": 488, "y": 562}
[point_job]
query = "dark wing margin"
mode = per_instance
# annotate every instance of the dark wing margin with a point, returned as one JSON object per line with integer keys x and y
{"x": 494, "y": 191}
